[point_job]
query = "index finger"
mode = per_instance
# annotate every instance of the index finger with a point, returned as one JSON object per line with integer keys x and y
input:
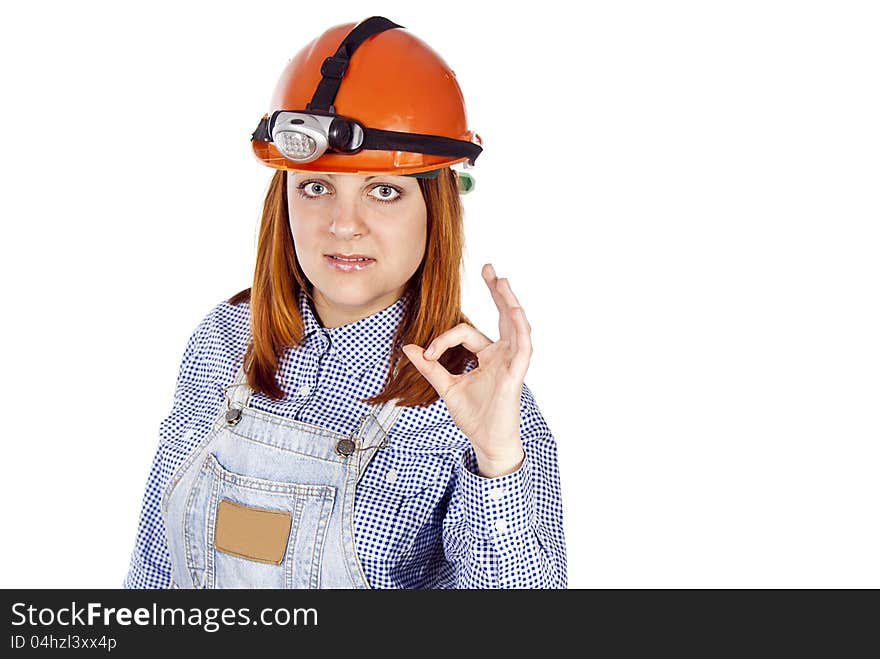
{"x": 506, "y": 328}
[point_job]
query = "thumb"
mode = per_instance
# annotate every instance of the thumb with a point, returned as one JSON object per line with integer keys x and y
{"x": 432, "y": 370}
{"x": 415, "y": 354}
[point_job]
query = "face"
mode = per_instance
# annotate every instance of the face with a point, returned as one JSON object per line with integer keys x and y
{"x": 380, "y": 217}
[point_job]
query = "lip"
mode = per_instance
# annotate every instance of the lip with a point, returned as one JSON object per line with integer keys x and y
{"x": 350, "y": 256}
{"x": 342, "y": 266}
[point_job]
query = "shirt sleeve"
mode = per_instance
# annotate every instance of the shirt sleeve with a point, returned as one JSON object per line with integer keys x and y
{"x": 150, "y": 563}
{"x": 507, "y": 532}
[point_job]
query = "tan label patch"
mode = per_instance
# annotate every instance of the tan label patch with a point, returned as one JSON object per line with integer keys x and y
{"x": 259, "y": 534}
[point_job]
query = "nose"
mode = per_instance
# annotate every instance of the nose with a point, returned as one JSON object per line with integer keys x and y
{"x": 346, "y": 219}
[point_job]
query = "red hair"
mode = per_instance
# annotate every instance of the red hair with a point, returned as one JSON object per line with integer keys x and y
{"x": 434, "y": 301}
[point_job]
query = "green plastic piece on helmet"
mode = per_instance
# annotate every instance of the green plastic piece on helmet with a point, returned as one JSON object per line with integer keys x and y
{"x": 466, "y": 182}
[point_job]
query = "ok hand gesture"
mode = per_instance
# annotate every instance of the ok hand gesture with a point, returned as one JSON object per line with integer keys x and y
{"x": 484, "y": 403}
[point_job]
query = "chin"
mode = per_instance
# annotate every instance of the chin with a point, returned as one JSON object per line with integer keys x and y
{"x": 349, "y": 294}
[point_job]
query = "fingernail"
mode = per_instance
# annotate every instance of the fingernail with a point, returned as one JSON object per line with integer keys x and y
{"x": 430, "y": 351}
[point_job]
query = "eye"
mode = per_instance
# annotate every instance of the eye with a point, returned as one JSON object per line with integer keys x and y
{"x": 387, "y": 193}
{"x": 305, "y": 185}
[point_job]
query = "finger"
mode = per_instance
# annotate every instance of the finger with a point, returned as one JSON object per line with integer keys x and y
{"x": 507, "y": 292}
{"x": 505, "y": 323}
{"x": 523, "y": 331}
{"x": 519, "y": 365}
{"x": 433, "y": 371}
{"x": 462, "y": 334}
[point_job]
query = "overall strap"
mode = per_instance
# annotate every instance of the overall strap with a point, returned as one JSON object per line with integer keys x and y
{"x": 375, "y": 431}
{"x": 238, "y": 394}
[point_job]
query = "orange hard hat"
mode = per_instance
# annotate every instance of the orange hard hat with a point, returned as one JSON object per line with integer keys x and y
{"x": 366, "y": 98}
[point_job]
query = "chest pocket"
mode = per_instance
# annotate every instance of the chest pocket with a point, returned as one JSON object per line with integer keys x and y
{"x": 396, "y": 499}
{"x": 397, "y": 474}
{"x": 247, "y": 532}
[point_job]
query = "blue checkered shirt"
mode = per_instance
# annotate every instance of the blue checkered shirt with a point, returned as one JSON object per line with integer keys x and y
{"x": 452, "y": 528}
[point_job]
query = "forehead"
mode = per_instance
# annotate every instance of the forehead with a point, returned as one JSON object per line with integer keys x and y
{"x": 357, "y": 178}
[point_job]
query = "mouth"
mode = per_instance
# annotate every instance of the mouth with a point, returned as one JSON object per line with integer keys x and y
{"x": 349, "y": 263}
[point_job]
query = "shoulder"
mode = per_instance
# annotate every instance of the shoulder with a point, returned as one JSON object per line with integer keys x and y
{"x": 221, "y": 322}
{"x": 231, "y": 323}
{"x": 218, "y": 342}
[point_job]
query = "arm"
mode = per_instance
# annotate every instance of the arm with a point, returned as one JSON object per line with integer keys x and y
{"x": 150, "y": 563}
{"x": 506, "y": 532}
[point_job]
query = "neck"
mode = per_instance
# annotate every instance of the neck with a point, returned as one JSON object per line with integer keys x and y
{"x": 334, "y": 314}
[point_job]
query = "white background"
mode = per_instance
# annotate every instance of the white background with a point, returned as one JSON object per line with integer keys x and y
{"x": 684, "y": 196}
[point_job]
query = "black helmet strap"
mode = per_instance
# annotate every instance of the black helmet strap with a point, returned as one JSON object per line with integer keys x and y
{"x": 335, "y": 66}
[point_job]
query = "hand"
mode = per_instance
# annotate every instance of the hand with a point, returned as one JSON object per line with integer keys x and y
{"x": 484, "y": 403}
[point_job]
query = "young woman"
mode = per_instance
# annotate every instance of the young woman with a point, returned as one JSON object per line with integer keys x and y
{"x": 313, "y": 443}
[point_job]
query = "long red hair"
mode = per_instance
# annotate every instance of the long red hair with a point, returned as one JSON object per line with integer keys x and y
{"x": 434, "y": 295}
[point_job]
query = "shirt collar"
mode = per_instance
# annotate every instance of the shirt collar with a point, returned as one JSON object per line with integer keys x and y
{"x": 357, "y": 345}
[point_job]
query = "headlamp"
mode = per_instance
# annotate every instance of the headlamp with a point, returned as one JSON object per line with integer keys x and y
{"x": 305, "y": 136}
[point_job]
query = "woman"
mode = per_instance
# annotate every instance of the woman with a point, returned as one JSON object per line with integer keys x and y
{"x": 312, "y": 442}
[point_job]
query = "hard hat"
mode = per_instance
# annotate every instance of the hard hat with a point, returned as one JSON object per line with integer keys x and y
{"x": 367, "y": 98}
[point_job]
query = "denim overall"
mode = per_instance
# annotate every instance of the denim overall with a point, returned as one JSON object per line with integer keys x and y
{"x": 265, "y": 501}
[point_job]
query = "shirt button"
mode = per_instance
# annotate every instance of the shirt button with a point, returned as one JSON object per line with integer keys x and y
{"x": 303, "y": 390}
{"x": 391, "y": 476}
{"x": 496, "y": 494}
{"x": 500, "y": 525}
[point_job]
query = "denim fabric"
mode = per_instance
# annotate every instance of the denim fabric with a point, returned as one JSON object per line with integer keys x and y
{"x": 276, "y": 463}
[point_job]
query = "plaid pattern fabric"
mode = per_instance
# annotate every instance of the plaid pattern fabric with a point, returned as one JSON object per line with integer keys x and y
{"x": 424, "y": 517}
